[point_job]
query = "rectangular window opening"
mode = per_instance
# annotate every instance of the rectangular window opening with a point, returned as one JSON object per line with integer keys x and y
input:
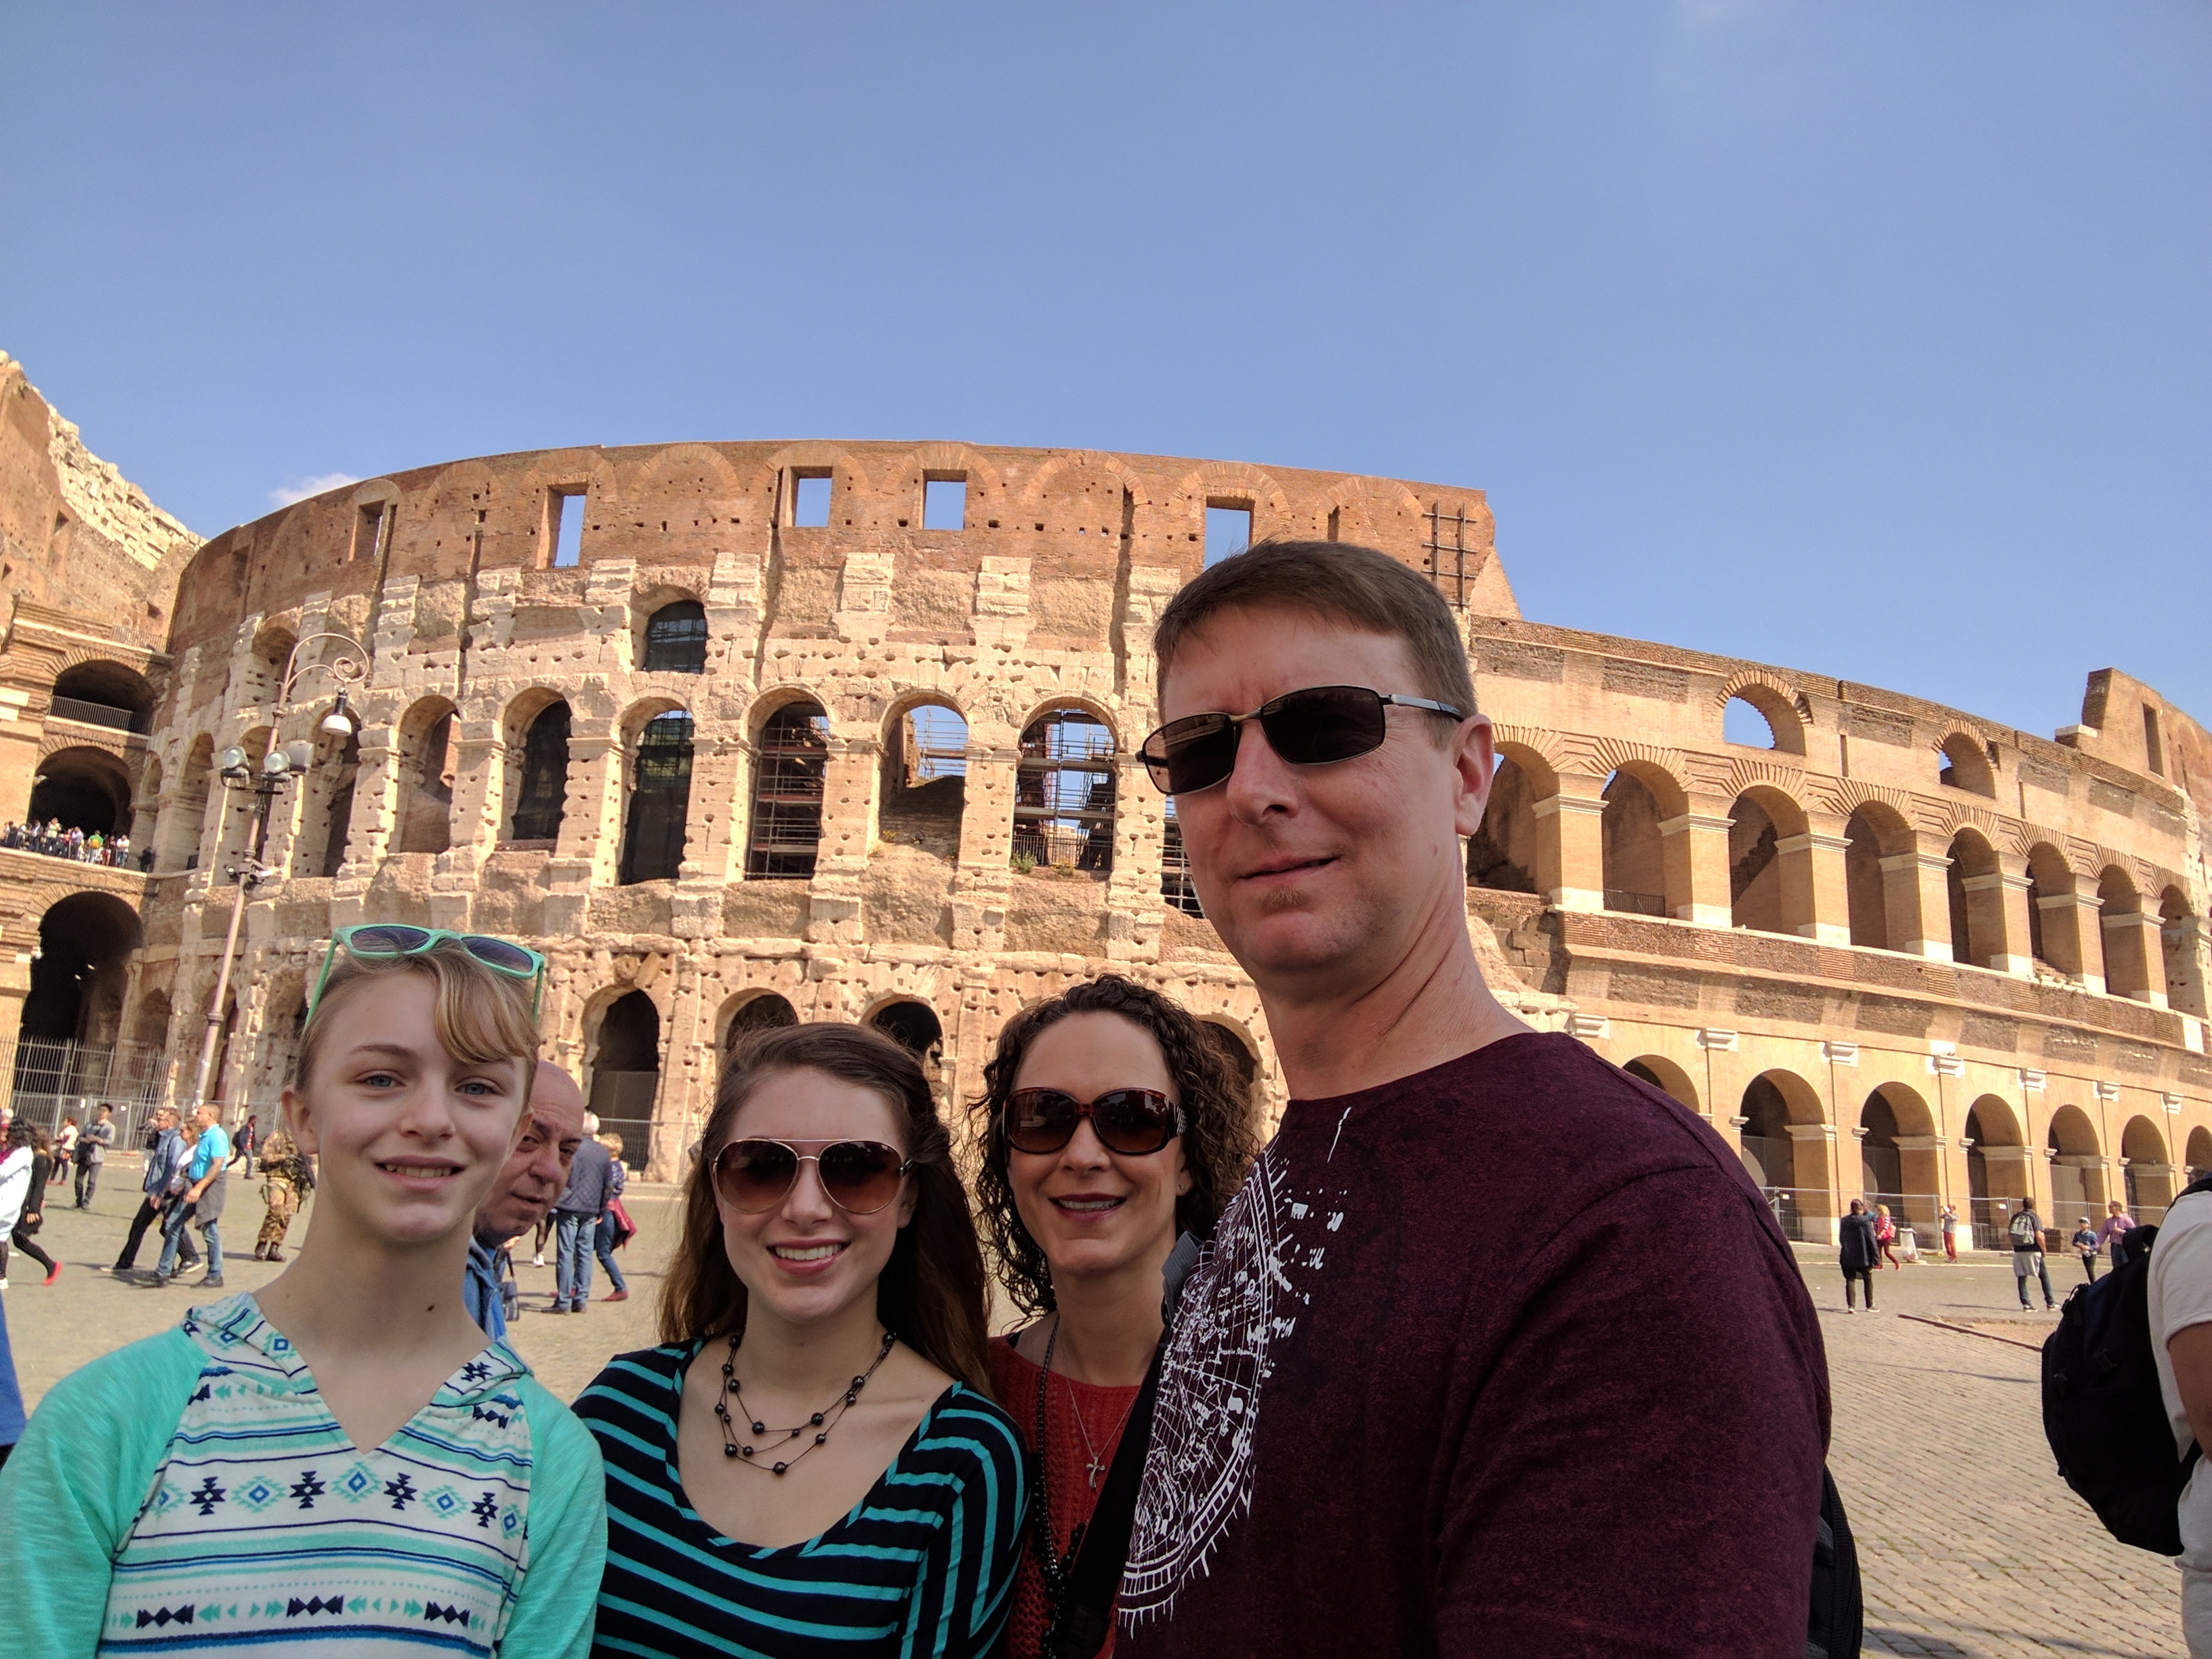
{"x": 810, "y": 501}
{"x": 567, "y": 528}
{"x": 1228, "y": 530}
{"x": 944, "y": 504}
{"x": 2153, "y": 750}
{"x": 368, "y": 525}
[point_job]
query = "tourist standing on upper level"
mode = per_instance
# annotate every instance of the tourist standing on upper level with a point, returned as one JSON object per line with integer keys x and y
{"x": 1111, "y": 1124}
{"x": 1371, "y": 1435}
{"x": 338, "y": 1460}
{"x": 811, "y": 1463}
{"x": 576, "y": 1215}
{"x": 533, "y": 1176}
{"x": 92, "y": 1152}
{"x": 1859, "y": 1252}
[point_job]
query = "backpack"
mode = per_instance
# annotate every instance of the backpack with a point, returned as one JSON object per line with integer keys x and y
{"x": 1836, "y": 1624}
{"x": 2025, "y": 1235}
{"x": 2102, "y": 1412}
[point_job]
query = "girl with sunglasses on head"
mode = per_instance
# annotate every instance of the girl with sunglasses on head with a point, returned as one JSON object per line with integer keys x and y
{"x": 341, "y": 1458}
{"x": 811, "y": 1463}
{"x": 1112, "y": 1125}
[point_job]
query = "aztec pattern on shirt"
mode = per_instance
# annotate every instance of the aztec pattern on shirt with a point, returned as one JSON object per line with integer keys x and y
{"x": 923, "y": 1564}
{"x": 266, "y": 1527}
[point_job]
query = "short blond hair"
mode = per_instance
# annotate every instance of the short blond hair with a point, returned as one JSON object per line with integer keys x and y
{"x": 480, "y": 1014}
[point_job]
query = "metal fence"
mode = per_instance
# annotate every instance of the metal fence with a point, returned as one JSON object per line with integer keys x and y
{"x": 51, "y": 1079}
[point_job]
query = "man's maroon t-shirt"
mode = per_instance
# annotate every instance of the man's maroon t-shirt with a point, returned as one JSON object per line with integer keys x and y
{"x": 1507, "y": 1358}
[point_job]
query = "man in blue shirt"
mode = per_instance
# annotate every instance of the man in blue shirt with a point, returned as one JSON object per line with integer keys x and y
{"x": 164, "y": 1159}
{"x": 534, "y": 1174}
{"x": 201, "y": 1202}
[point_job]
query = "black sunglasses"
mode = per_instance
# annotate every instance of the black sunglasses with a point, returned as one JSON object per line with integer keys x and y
{"x": 861, "y": 1176}
{"x": 1134, "y": 1122}
{"x": 1312, "y": 727}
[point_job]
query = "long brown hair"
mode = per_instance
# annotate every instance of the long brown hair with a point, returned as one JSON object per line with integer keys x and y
{"x": 1217, "y": 1141}
{"x": 930, "y": 1292}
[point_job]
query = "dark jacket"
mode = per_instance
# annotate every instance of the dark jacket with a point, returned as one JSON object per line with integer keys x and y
{"x": 590, "y": 1185}
{"x": 1858, "y": 1251}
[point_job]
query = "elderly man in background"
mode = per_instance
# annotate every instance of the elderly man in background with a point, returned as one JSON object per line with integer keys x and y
{"x": 164, "y": 1158}
{"x": 535, "y": 1174}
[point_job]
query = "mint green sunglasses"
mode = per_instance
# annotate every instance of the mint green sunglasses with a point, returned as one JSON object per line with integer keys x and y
{"x": 382, "y": 941}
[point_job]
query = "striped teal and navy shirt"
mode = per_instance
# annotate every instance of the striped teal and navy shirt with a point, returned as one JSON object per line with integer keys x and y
{"x": 923, "y": 1565}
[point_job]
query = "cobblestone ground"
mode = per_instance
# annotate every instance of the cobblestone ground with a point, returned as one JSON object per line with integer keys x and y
{"x": 1969, "y": 1544}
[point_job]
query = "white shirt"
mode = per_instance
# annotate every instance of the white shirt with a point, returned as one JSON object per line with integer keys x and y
{"x": 15, "y": 1187}
{"x": 2181, "y": 1296}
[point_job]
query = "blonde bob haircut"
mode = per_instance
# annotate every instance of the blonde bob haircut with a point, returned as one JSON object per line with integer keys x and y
{"x": 481, "y": 1015}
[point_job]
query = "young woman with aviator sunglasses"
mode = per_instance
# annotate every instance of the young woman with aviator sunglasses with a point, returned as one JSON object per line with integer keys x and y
{"x": 1112, "y": 1124}
{"x": 811, "y": 1462}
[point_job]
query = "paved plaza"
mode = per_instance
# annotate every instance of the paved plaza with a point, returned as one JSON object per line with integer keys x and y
{"x": 1971, "y": 1545}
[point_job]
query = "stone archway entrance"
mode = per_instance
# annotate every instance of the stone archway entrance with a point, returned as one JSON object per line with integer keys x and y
{"x": 68, "y": 1052}
{"x": 626, "y": 1074}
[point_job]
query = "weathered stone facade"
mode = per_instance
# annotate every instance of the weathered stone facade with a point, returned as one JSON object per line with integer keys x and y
{"x": 689, "y": 755}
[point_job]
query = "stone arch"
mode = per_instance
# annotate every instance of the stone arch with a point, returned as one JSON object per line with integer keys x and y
{"x": 1233, "y": 481}
{"x": 2181, "y": 948}
{"x": 744, "y": 1013}
{"x": 1237, "y": 1047}
{"x": 534, "y": 731}
{"x": 657, "y": 746}
{"x": 2199, "y": 1153}
{"x": 238, "y": 802}
{"x": 672, "y": 633}
{"x": 921, "y": 793}
{"x": 1065, "y": 783}
{"x": 100, "y": 691}
{"x": 2146, "y": 1173}
{"x": 1770, "y": 885}
{"x": 1974, "y": 888}
{"x": 1966, "y": 765}
{"x": 1373, "y": 512}
{"x": 2053, "y": 919}
{"x": 1785, "y": 1145}
{"x": 1998, "y": 1168}
{"x": 326, "y": 814}
{"x": 424, "y": 764}
{"x": 182, "y": 826}
{"x": 1536, "y": 753}
{"x": 84, "y": 788}
{"x": 1664, "y": 1075}
{"x": 1774, "y": 700}
{"x": 86, "y": 941}
{"x": 2120, "y": 930}
{"x": 1505, "y": 853}
{"x": 1639, "y": 796}
{"x": 625, "y": 1043}
{"x": 791, "y": 764}
{"x": 1880, "y": 877}
{"x": 912, "y": 1023}
{"x": 849, "y": 480}
{"x": 146, "y": 812}
{"x": 2077, "y": 1162}
{"x": 1899, "y": 1155}
{"x": 986, "y": 485}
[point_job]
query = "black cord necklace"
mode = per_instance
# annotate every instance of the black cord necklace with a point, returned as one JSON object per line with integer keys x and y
{"x": 821, "y": 1422}
{"x": 1053, "y": 1567}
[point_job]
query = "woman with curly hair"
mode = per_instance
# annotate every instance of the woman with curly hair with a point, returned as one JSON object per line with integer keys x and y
{"x": 1112, "y": 1124}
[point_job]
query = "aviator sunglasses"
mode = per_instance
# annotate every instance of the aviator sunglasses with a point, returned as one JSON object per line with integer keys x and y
{"x": 861, "y": 1176}
{"x": 1133, "y": 1121}
{"x": 381, "y": 941}
{"x": 1312, "y": 727}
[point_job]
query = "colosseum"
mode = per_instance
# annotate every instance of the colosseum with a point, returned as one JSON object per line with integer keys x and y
{"x": 741, "y": 734}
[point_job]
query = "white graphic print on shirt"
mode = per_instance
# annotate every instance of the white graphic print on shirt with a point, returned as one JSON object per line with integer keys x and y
{"x": 1243, "y": 1298}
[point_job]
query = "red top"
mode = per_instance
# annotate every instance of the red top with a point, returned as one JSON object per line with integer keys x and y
{"x": 1065, "y": 1461}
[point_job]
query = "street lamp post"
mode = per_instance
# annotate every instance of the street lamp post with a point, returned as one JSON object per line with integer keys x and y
{"x": 277, "y": 768}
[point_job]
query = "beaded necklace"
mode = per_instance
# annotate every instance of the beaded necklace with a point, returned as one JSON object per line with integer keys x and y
{"x": 821, "y": 1422}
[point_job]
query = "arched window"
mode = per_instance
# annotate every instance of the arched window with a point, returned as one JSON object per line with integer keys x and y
{"x": 2120, "y": 924}
{"x": 78, "y": 977}
{"x": 1176, "y": 885}
{"x": 2077, "y": 1168}
{"x": 1882, "y": 902}
{"x": 1760, "y": 717}
{"x": 542, "y": 794}
{"x": 327, "y": 825}
{"x": 2149, "y": 1180}
{"x": 1755, "y": 896}
{"x": 765, "y": 1012}
{"x": 1975, "y": 890}
{"x": 182, "y": 827}
{"x": 1996, "y": 1170}
{"x": 925, "y": 779}
{"x": 1501, "y": 854}
{"x": 1063, "y": 793}
{"x": 85, "y": 789}
{"x": 660, "y": 800}
{"x": 2054, "y": 930}
{"x": 105, "y": 694}
{"x": 914, "y": 1026}
{"x": 2200, "y": 1153}
{"x": 626, "y": 1073}
{"x": 1967, "y": 766}
{"x": 676, "y": 639}
{"x": 427, "y": 761}
{"x": 2181, "y": 943}
{"x": 1664, "y": 1075}
{"x": 791, "y": 764}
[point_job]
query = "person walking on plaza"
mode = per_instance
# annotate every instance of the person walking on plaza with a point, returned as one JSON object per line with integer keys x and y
{"x": 91, "y": 1152}
{"x": 23, "y": 1196}
{"x": 1885, "y": 1235}
{"x": 2113, "y": 1235}
{"x": 1357, "y": 1439}
{"x": 607, "y": 1236}
{"x": 167, "y": 1154}
{"x": 2027, "y": 1262}
{"x": 2179, "y": 1300}
{"x": 1858, "y": 1252}
{"x": 1950, "y": 1232}
{"x": 205, "y": 1178}
{"x": 535, "y": 1174}
{"x": 286, "y": 1178}
{"x": 64, "y": 1150}
{"x": 341, "y": 1462}
{"x": 249, "y": 1139}
{"x": 2084, "y": 1246}
{"x": 576, "y": 1220}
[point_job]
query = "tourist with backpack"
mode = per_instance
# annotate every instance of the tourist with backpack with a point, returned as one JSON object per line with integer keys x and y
{"x": 2179, "y": 1309}
{"x": 2027, "y": 1262}
{"x": 1858, "y": 1248}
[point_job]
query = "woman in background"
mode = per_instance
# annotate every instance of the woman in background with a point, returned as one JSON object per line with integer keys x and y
{"x": 27, "y": 1142}
{"x": 1111, "y": 1124}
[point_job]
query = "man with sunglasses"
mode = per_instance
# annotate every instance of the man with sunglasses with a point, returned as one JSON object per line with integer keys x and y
{"x": 1370, "y": 1435}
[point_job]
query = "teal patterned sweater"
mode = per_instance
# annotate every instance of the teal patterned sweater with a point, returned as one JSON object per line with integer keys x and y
{"x": 192, "y": 1493}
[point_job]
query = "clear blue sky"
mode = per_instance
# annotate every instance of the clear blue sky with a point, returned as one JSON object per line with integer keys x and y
{"x": 1870, "y": 339}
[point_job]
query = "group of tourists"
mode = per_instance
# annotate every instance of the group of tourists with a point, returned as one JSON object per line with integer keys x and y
{"x": 1289, "y": 1400}
{"x": 56, "y": 842}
